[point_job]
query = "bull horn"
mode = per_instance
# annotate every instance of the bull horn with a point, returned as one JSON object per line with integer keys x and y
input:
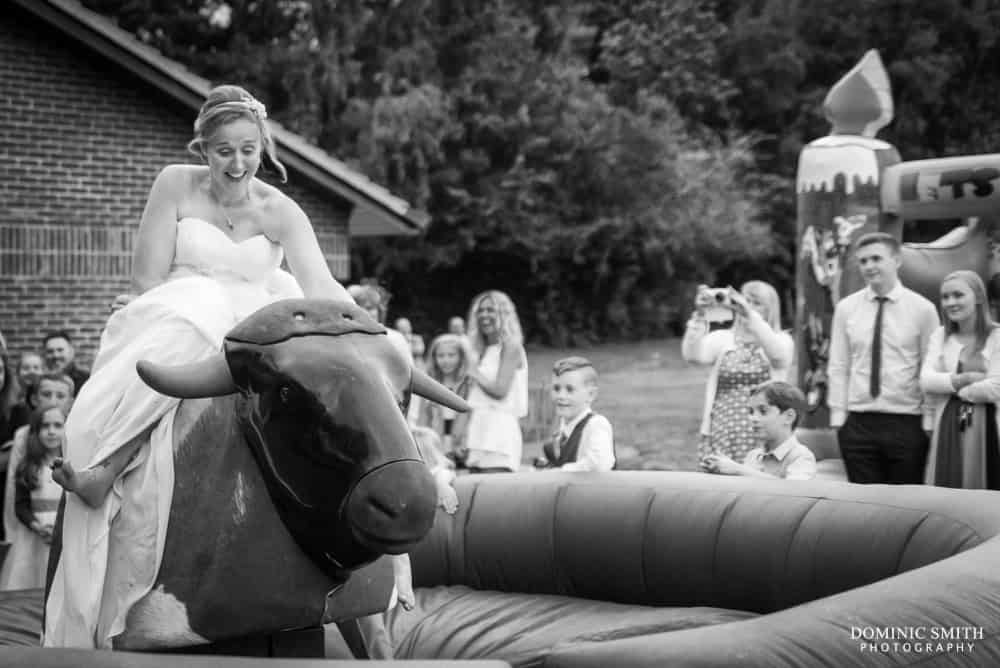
{"x": 207, "y": 378}
{"x": 428, "y": 388}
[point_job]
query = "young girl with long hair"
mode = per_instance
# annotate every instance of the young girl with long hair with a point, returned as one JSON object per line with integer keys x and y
{"x": 36, "y": 500}
{"x": 447, "y": 363}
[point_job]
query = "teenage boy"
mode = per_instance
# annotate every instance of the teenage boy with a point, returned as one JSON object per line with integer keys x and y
{"x": 878, "y": 341}
{"x": 775, "y": 408}
{"x": 585, "y": 440}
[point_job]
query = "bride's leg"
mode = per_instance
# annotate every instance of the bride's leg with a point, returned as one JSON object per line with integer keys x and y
{"x": 93, "y": 484}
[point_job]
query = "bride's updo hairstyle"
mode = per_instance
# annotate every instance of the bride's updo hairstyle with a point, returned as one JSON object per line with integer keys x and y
{"x": 226, "y": 104}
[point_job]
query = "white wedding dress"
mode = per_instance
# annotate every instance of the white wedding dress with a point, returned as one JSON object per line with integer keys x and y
{"x": 111, "y": 555}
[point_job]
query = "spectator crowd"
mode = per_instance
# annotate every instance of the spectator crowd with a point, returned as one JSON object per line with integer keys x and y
{"x": 35, "y": 399}
{"x": 913, "y": 390}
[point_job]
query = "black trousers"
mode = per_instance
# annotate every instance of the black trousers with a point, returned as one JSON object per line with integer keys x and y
{"x": 884, "y": 448}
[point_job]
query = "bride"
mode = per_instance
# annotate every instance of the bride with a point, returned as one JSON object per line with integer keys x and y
{"x": 207, "y": 255}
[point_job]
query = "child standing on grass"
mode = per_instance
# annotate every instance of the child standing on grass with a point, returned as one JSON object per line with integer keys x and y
{"x": 36, "y": 501}
{"x": 774, "y": 408}
{"x": 448, "y": 364}
{"x": 585, "y": 440}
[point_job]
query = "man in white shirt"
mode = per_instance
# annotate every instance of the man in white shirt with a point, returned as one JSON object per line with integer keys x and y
{"x": 585, "y": 440}
{"x": 878, "y": 342}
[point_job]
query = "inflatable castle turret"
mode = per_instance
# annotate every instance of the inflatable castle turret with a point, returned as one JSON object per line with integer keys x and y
{"x": 850, "y": 183}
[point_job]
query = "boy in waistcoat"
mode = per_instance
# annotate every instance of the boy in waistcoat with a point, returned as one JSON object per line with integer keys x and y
{"x": 585, "y": 439}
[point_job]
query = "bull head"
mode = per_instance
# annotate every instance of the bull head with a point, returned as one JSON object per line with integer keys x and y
{"x": 322, "y": 391}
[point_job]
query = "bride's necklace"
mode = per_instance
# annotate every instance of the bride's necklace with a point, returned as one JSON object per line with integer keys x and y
{"x": 225, "y": 211}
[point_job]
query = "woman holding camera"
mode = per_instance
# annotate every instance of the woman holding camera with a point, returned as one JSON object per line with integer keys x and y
{"x": 752, "y": 351}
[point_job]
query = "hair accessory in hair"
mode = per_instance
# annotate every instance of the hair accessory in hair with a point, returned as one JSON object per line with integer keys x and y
{"x": 255, "y": 105}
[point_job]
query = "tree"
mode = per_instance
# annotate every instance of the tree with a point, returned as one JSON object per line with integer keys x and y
{"x": 595, "y": 203}
{"x": 598, "y": 214}
{"x": 663, "y": 48}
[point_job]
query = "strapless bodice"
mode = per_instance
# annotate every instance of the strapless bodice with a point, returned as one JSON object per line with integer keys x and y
{"x": 202, "y": 248}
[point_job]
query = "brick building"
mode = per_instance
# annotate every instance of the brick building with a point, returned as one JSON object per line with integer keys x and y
{"x": 88, "y": 116}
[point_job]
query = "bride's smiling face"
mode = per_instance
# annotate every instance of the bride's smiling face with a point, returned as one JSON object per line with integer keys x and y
{"x": 234, "y": 153}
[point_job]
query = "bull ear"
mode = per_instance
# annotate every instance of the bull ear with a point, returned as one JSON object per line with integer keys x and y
{"x": 428, "y": 388}
{"x": 207, "y": 378}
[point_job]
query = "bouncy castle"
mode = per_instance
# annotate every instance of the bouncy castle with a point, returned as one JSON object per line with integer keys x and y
{"x": 849, "y": 183}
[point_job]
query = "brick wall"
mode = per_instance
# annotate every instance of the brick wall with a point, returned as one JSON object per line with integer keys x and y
{"x": 80, "y": 143}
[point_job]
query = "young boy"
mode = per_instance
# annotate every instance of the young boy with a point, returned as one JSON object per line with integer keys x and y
{"x": 585, "y": 440}
{"x": 775, "y": 408}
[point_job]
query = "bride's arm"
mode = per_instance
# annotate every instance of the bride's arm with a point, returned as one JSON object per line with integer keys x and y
{"x": 305, "y": 259}
{"x": 154, "y": 244}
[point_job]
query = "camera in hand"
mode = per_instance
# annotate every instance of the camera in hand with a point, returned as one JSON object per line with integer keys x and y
{"x": 717, "y": 307}
{"x": 720, "y": 296}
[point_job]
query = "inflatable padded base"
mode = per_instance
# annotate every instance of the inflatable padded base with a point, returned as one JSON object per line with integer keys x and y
{"x": 81, "y": 658}
{"x": 463, "y": 623}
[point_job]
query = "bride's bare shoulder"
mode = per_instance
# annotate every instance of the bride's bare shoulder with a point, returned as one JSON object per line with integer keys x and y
{"x": 267, "y": 195}
{"x": 181, "y": 177}
{"x": 277, "y": 207}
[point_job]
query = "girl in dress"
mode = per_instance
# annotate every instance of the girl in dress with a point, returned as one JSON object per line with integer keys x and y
{"x": 52, "y": 389}
{"x": 753, "y": 351}
{"x": 498, "y": 385}
{"x": 448, "y": 364}
{"x": 961, "y": 375}
{"x": 36, "y": 501}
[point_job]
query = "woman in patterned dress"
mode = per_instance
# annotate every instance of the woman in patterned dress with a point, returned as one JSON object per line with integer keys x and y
{"x": 753, "y": 350}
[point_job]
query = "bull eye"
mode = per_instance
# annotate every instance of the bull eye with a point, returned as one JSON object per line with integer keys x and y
{"x": 299, "y": 315}
{"x": 284, "y": 393}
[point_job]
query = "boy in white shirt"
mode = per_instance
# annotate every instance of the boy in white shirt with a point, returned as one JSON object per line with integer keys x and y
{"x": 585, "y": 440}
{"x": 775, "y": 407}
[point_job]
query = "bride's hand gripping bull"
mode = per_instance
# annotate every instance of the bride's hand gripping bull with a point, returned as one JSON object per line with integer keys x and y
{"x": 294, "y": 466}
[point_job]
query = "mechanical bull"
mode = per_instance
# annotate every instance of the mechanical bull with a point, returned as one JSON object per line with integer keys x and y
{"x": 294, "y": 467}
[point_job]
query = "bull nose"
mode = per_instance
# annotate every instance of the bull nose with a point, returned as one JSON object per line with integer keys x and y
{"x": 393, "y": 507}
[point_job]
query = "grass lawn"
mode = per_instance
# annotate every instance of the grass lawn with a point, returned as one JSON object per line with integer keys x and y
{"x": 652, "y": 397}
